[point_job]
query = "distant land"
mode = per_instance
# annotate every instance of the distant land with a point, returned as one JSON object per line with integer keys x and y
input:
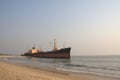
{"x": 5, "y": 54}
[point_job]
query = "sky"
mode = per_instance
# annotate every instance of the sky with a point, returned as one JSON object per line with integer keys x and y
{"x": 90, "y": 27}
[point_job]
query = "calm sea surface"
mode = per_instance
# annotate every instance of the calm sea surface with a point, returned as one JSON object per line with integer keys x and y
{"x": 100, "y": 65}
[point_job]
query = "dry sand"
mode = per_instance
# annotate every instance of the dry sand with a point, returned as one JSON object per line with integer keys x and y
{"x": 10, "y": 71}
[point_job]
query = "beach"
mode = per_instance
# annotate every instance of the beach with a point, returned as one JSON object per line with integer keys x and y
{"x": 9, "y": 71}
{"x": 18, "y": 71}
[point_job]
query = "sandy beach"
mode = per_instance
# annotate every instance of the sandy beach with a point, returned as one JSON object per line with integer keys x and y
{"x": 9, "y": 71}
{"x": 16, "y": 71}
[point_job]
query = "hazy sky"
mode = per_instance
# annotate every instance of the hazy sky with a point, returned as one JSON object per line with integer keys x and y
{"x": 90, "y": 27}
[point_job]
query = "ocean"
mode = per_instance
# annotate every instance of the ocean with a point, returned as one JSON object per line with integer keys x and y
{"x": 100, "y": 65}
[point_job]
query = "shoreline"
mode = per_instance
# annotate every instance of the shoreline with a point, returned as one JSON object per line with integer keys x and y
{"x": 12, "y": 69}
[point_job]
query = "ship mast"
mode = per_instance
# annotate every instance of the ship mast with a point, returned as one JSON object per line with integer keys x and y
{"x": 55, "y": 45}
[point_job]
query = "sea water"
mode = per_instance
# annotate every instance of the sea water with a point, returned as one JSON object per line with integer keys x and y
{"x": 100, "y": 65}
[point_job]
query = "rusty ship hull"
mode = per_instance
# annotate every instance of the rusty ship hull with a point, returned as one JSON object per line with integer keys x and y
{"x": 61, "y": 53}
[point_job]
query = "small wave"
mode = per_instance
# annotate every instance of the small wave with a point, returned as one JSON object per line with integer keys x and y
{"x": 76, "y": 65}
{"x": 94, "y": 67}
{"x": 68, "y": 70}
